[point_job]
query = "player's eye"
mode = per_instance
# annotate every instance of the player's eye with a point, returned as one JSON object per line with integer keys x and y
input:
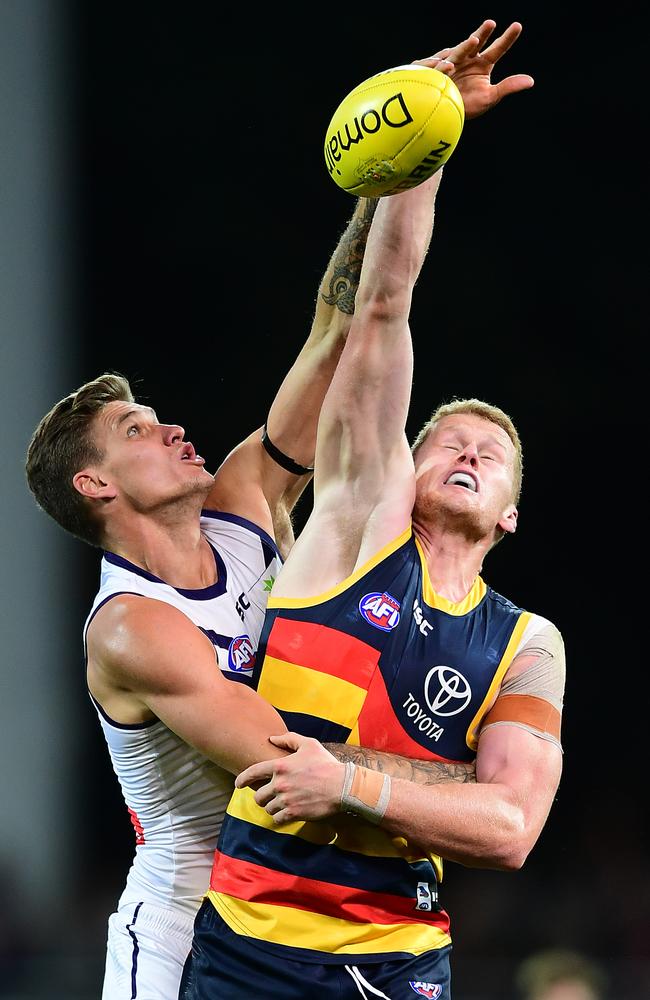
{"x": 132, "y": 430}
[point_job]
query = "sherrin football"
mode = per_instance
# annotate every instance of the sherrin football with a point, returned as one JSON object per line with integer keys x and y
{"x": 393, "y": 131}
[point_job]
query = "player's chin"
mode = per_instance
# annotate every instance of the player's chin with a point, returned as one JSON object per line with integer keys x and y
{"x": 458, "y": 510}
{"x": 201, "y": 481}
{"x": 445, "y": 500}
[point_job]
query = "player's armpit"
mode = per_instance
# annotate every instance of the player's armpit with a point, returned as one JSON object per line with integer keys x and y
{"x": 153, "y": 652}
{"x": 422, "y": 772}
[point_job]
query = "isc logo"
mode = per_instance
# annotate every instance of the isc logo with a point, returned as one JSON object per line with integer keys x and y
{"x": 380, "y": 610}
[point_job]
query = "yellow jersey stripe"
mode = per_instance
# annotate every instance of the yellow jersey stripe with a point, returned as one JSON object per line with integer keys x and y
{"x": 471, "y": 601}
{"x": 292, "y": 688}
{"x": 294, "y": 928}
{"x": 506, "y": 660}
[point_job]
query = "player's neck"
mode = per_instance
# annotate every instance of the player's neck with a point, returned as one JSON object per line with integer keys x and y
{"x": 175, "y": 551}
{"x": 453, "y": 561}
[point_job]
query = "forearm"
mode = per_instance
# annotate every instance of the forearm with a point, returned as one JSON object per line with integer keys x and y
{"x": 477, "y": 825}
{"x": 490, "y": 817}
{"x": 361, "y": 441}
{"x": 340, "y": 282}
{"x": 421, "y": 772}
{"x": 293, "y": 416}
{"x": 438, "y": 808}
{"x": 398, "y": 243}
{"x": 231, "y": 729}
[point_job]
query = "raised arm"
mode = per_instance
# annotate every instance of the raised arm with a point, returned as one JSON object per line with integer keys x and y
{"x": 364, "y": 414}
{"x": 364, "y": 484}
{"x": 264, "y": 483}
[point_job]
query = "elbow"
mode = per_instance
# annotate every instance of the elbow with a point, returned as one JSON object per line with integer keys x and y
{"x": 512, "y": 844}
{"x": 502, "y": 856}
{"x": 511, "y": 858}
{"x": 380, "y": 302}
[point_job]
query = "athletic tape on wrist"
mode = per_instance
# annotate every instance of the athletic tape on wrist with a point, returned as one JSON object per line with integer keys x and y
{"x": 365, "y": 793}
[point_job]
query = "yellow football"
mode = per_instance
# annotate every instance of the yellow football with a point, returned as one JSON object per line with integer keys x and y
{"x": 393, "y": 131}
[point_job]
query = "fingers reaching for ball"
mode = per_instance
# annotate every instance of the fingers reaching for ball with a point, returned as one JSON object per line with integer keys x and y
{"x": 467, "y": 48}
{"x": 470, "y": 64}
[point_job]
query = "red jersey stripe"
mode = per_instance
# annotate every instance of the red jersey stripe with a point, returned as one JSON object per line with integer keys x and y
{"x": 388, "y": 734}
{"x": 137, "y": 826}
{"x": 321, "y": 648}
{"x": 247, "y": 881}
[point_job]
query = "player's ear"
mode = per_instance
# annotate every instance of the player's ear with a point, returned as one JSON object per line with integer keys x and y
{"x": 508, "y": 520}
{"x": 90, "y": 484}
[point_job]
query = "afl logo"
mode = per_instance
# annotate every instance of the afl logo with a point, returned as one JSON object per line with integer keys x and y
{"x": 446, "y": 691}
{"x": 241, "y": 655}
{"x": 380, "y": 610}
{"x": 430, "y": 990}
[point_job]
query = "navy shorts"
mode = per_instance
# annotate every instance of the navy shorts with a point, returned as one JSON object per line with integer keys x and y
{"x": 227, "y": 966}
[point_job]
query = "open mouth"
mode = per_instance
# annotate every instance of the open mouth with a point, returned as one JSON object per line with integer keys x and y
{"x": 462, "y": 479}
{"x": 188, "y": 454}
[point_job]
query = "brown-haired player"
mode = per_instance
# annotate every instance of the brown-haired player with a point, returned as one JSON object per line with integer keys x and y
{"x": 189, "y": 558}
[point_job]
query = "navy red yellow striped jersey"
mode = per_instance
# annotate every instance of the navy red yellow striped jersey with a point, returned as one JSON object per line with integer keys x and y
{"x": 379, "y": 661}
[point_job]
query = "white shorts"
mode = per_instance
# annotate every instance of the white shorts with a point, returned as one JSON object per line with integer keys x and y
{"x": 146, "y": 951}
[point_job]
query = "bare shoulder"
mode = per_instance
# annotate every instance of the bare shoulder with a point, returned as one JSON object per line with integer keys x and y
{"x": 133, "y": 639}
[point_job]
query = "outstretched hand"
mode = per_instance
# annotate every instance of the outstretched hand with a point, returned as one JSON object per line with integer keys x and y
{"x": 470, "y": 67}
{"x": 305, "y": 785}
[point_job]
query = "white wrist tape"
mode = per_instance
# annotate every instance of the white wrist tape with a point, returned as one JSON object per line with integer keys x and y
{"x": 365, "y": 793}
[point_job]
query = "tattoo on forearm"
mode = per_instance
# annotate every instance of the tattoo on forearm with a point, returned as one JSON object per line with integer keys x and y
{"x": 422, "y": 772}
{"x": 345, "y": 267}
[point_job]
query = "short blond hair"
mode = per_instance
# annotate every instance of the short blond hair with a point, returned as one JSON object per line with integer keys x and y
{"x": 478, "y": 408}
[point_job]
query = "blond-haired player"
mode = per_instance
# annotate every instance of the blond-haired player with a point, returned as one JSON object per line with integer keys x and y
{"x": 381, "y": 631}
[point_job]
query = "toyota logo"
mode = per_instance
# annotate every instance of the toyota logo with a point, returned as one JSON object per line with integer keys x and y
{"x": 446, "y": 688}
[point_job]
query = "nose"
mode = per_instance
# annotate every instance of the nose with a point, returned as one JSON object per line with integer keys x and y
{"x": 469, "y": 455}
{"x": 172, "y": 433}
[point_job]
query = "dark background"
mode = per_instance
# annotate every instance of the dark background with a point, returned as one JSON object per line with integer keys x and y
{"x": 203, "y": 218}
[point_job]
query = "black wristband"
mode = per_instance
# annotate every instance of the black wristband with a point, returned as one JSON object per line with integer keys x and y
{"x": 282, "y": 459}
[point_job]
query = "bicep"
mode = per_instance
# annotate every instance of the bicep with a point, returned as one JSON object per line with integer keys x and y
{"x": 364, "y": 414}
{"x": 251, "y": 484}
{"x": 171, "y": 666}
{"x": 528, "y": 766}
